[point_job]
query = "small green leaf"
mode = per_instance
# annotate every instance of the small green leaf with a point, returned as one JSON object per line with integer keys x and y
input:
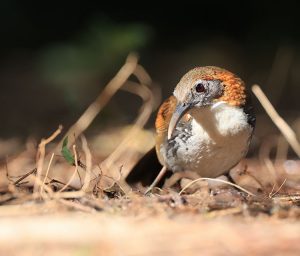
{"x": 65, "y": 142}
{"x": 67, "y": 153}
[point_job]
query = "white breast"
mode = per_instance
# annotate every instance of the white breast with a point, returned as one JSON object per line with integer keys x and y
{"x": 214, "y": 141}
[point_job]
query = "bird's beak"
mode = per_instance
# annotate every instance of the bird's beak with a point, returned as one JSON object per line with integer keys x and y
{"x": 179, "y": 112}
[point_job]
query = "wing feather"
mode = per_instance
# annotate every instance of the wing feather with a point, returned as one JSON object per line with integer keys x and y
{"x": 164, "y": 115}
{"x": 163, "y": 119}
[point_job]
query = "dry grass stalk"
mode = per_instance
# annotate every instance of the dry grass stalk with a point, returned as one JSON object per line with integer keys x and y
{"x": 88, "y": 160}
{"x": 140, "y": 89}
{"x": 285, "y": 129}
{"x": 108, "y": 92}
{"x": 142, "y": 75}
{"x": 46, "y": 188}
{"x": 80, "y": 193}
{"x": 41, "y": 157}
{"x": 46, "y": 175}
{"x": 145, "y": 112}
{"x": 18, "y": 181}
{"x": 218, "y": 180}
{"x": 272, "y": 193}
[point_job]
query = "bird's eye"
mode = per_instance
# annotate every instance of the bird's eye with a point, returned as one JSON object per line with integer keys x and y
{"x": 200, "y": 88}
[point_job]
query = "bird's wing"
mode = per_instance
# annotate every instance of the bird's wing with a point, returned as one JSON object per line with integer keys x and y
{"x": 163, "y": 119}
{"x": 164, "y": 115}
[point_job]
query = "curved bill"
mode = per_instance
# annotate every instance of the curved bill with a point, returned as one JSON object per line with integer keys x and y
{"x": 179, "y": 112}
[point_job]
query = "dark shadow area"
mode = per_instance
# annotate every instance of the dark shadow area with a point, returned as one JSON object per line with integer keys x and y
{"x": 57, "y": 56}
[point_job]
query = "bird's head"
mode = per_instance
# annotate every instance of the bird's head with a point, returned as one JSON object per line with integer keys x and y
{"x": 206, "y": 87}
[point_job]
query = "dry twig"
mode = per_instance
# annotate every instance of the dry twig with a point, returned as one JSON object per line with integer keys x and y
{"x": 17, "y": 182}
{"x": 47, "y": 172}
{"x": 88, "y": 159}
{"x": 145, "y": 112}
{"x": 108, "y": 92}
{"x": 41, "y": 156}
{"x": 276, "y": 192}
{"x": 285, "y": 129}
{"x": 218, "y": 180}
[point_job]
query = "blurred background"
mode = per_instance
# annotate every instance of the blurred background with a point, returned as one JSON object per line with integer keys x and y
{"x": 56, "y": 56}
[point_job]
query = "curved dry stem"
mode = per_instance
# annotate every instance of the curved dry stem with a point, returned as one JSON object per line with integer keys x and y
{"x": 145, "y": 111}
{"x": 218, "y": 180}
{"x": 46, "y": 175}
{"x": 46, "y": 188}
{"x": 142, "y": 75}
{"x": 276, "y": 192}
{"x": 41, "y": 157}
{"x": 88, "y": 159}
{"x": 104, "y": 97}
{"x": 284, "y": 128}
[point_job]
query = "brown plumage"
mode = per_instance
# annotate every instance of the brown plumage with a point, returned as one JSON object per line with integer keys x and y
{"x": 162, "y": 121}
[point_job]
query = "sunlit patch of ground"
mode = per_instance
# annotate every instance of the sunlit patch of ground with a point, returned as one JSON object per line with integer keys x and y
{"x": 138, "y": 225}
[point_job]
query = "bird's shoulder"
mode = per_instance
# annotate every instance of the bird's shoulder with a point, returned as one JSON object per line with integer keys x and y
{"x": 164, "y": 114}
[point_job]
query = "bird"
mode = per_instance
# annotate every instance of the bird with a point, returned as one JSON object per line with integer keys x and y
{"x": 205, "y": 127}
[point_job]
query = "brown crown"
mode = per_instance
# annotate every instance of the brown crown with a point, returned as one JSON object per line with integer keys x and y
{"x": 234, "y": 88}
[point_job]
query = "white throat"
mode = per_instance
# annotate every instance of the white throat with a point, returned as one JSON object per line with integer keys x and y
{"x": 220, "y": 120}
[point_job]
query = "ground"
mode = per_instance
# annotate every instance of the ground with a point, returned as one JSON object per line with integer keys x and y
{"x": 227, "y": 222}
{"x": 54, "y": 215}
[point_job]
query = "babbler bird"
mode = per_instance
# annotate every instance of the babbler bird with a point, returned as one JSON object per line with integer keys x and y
{"x": 205, "y": 127}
